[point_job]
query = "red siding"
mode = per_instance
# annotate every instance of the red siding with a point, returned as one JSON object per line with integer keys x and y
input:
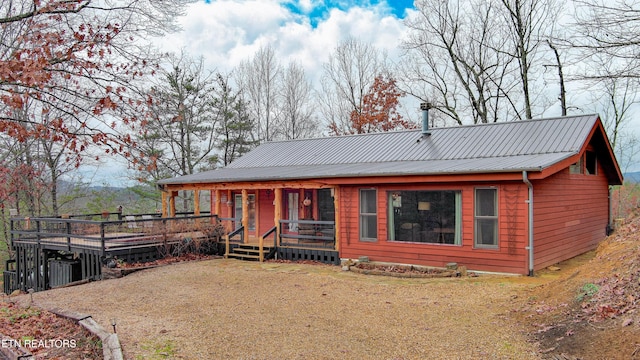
{"x": 510, "y": 256}
{"x": 571, "y": 212}
{"x": 265, "y": 211}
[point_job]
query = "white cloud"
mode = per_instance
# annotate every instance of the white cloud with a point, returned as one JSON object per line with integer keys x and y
{"x": 227, "y": 32}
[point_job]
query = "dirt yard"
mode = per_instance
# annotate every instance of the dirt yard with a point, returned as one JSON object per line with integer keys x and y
{"x": 585, "y": 308}
{"x": 228, "y": 309}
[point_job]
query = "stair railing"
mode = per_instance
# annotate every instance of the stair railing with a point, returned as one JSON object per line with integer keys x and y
{"x": 272, "y": 231}
{"x": 227, "y": 239}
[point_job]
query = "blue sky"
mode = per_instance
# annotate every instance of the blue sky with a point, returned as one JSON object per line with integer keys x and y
{"x": 317, "y": 11}
{"x": 225, "y": 32}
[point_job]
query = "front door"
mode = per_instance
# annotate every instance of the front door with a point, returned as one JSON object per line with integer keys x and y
{"x": 293, "y": 199}
{"x": 237, "y": 210}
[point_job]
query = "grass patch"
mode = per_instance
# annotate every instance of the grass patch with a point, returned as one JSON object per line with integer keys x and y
{"x": 587, "y": 291}
{"x": 159, "y": 350}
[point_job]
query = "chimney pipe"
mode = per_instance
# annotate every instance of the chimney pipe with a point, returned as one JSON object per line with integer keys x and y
{"x": 425, "y": 106}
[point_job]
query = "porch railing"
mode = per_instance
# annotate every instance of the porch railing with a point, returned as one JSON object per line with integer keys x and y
{"x": 308, "y": 233}
{"x": 10, "y": 277}
{"x": 231, "y": 237}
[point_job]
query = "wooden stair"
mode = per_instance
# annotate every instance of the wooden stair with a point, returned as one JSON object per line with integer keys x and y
{"x": 248, "y": 252}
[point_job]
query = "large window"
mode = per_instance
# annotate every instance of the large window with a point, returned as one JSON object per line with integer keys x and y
{"x": 486, "y": 218}
{"x": 368, "y": 215}
{"x": 425, "y": 216}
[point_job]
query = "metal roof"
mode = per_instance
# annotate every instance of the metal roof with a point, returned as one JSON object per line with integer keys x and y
{"x": 530, "y": 145}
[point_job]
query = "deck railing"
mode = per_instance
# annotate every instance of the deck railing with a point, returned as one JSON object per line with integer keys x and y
{"x": 134, "y": 231}
{"x": 9, "y": 277}
{"x": 308, "y": 233}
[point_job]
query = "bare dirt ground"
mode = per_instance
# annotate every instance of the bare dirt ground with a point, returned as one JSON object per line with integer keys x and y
{"x": 226, "y": 309}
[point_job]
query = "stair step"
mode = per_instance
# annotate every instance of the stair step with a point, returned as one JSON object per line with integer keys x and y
{"x": 244, "y": 256}
{"x": 250, "y": 251}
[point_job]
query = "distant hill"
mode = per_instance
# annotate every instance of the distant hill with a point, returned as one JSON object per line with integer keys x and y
{"x": 633, "y": 177}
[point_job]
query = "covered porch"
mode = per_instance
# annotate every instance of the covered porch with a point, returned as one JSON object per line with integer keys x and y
{"x": 285, "y": 220}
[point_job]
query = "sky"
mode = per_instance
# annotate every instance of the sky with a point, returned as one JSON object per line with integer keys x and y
{"x": 226, "y": 32}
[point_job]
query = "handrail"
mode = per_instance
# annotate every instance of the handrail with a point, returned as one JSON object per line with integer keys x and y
{"x": 261, "y": 241}
{"x": 313, "y": 233}
{"x": 228, "y": 237}
{"x": 67, "y": 234}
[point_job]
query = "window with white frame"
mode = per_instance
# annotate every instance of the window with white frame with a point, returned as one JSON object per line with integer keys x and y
{"x": 486, "y": 218}
{"x": 368, "y": 215}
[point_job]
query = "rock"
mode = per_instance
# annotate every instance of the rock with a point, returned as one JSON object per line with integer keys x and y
{"x": 553, "y": 268}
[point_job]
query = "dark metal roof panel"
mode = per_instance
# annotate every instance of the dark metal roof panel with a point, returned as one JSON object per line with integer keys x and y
{"x": 496, "y": 147}
{"x": 395, "y": 168}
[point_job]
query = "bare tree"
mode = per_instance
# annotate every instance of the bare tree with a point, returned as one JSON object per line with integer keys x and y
{"x": 258, "y": 79}
{"x": 606, "y": 45}
{"x": 455, "y": 59}
{"x": 608, "y": 29}
{"x": 529, "y": 23}
{"x": 348, "y": 75}
{"x": 297, "y": 114}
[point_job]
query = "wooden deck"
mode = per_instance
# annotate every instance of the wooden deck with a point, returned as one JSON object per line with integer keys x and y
{"x": 58, "y": 251}
{"x": 106, "y": 236}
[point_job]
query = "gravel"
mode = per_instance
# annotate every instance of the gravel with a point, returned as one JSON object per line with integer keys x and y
{"x": 230, "y": 309}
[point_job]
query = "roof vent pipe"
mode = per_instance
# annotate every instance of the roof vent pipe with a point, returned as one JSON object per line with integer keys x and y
{"x": 425, "y": 106}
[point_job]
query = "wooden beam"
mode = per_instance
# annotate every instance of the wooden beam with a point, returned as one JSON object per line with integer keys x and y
{"x": 196, "y": 202}
{"x": 172, "y": 204}
{"x": 163, "y": 204}
{"x": 218, "y": 202}
{"x": 336, "y": 206}
{"x": 256, "y": 210}
{"x": 245, "y": 214}
{"x": 296, "y": 184}
{"x": 277, "y": 211}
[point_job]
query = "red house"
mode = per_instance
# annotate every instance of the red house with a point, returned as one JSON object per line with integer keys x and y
{"x": 503, "y": 197}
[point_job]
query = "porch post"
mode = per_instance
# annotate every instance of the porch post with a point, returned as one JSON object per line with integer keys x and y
{"x": 336, "y": 207}
{"x": 277, "y": 193}
{"x": 218, "y": 203}
{"x": 172, "y": 204}
{"x": 196, "y": 202}
{"x": 245, "y": 214}
{"x": 164, "y": 204}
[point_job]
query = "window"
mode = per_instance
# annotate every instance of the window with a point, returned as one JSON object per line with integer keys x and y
{"x": 368, "y": 215}
{"x": 486, "y": 218}
{"x": 425, "y": 216}
{"x": 590, "y": 164}
{"x": 587, "y": 164}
